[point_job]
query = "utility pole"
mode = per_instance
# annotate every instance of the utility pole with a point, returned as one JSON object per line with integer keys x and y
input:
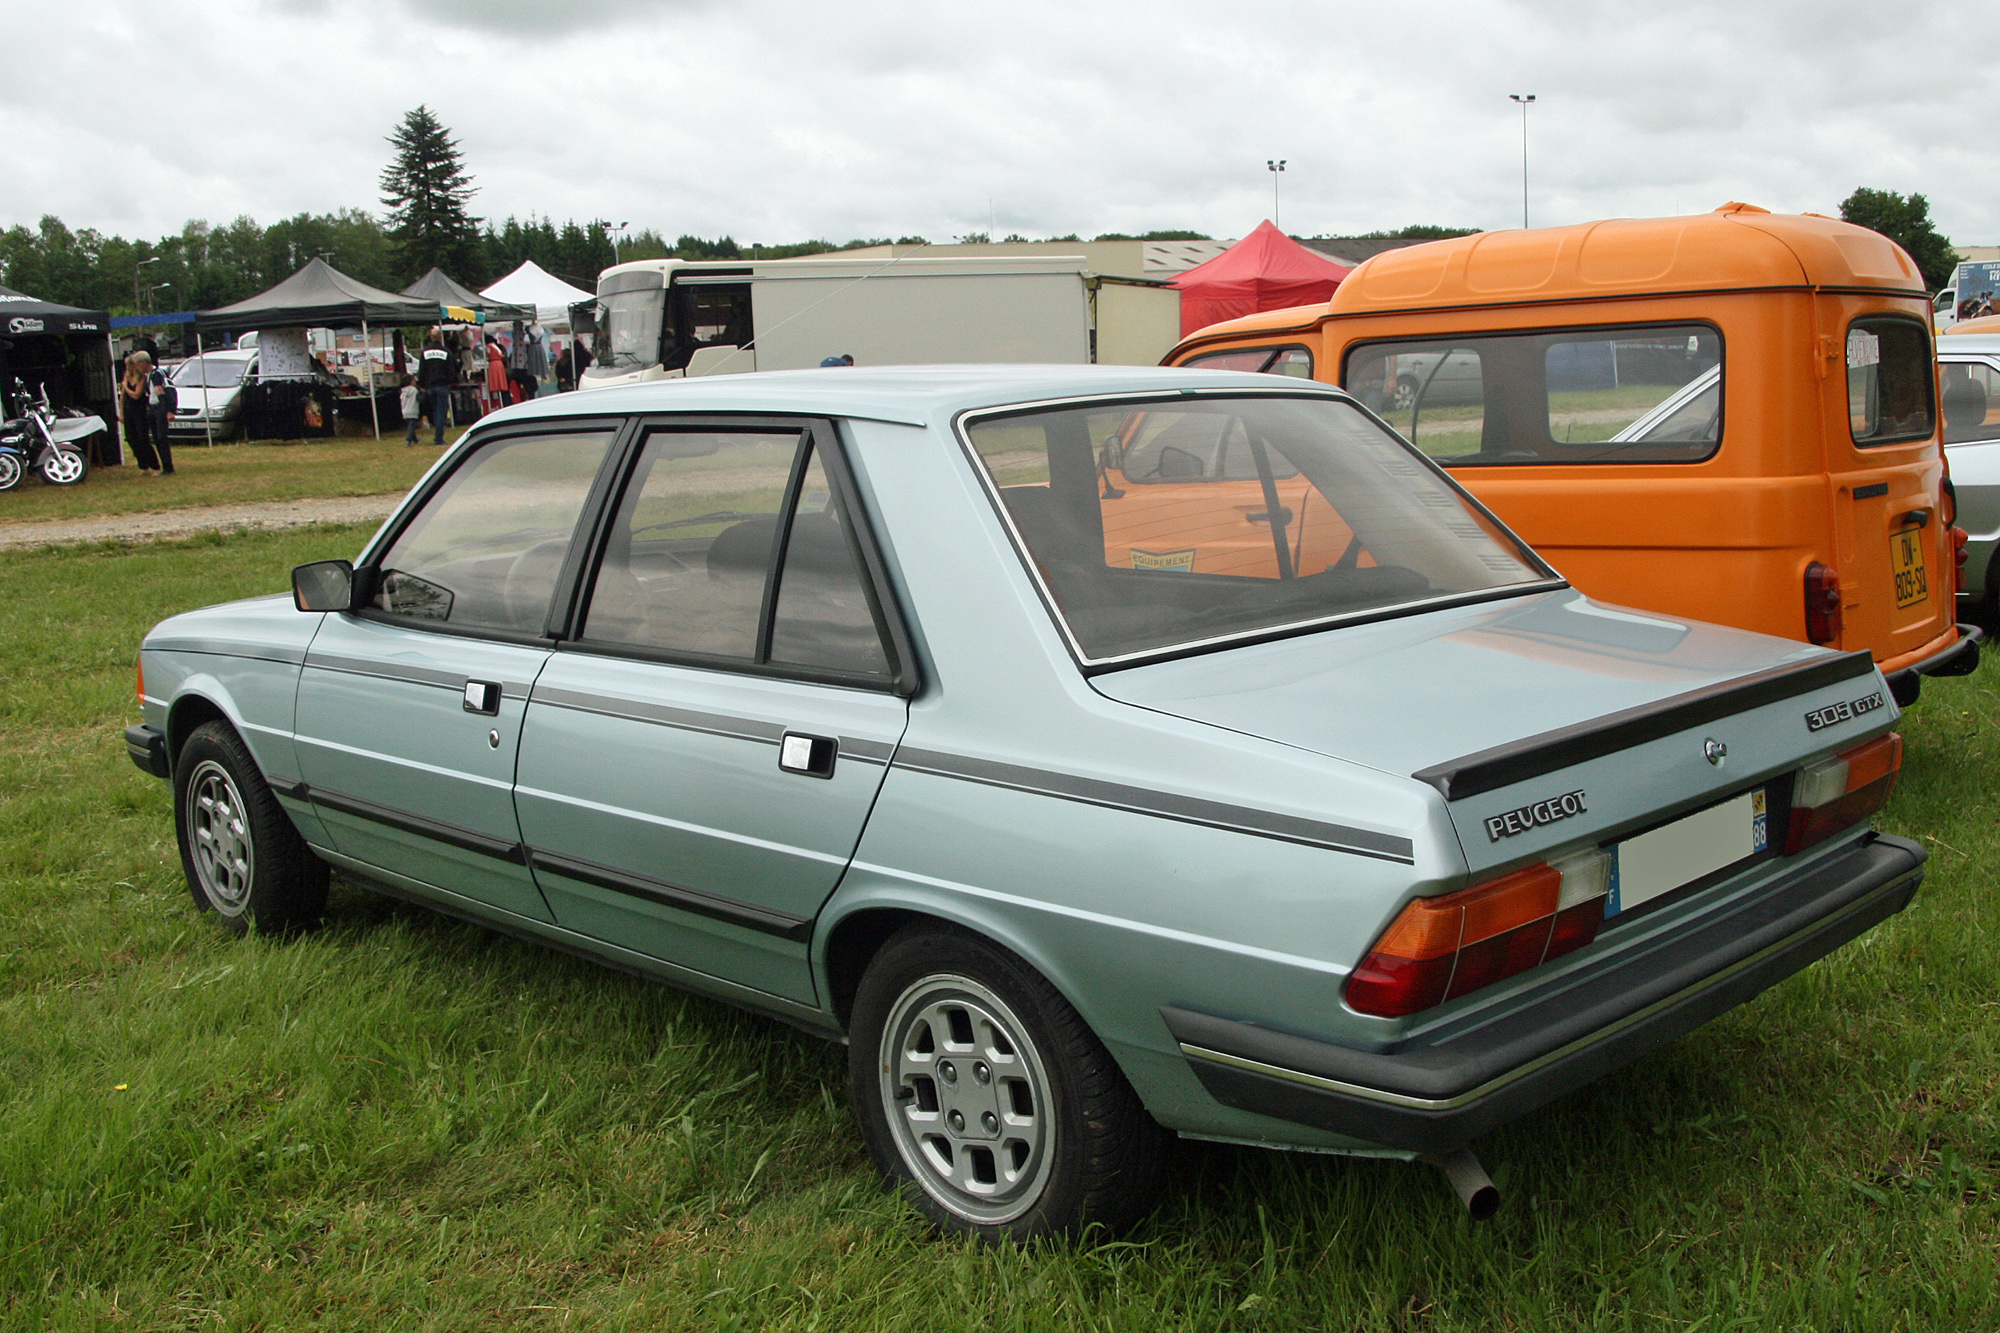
{"x": 1276, "y": 166}
{"x": 138, "y": 309}
{"x": 618, "y": 243}
{"x": 1526, "y": 100}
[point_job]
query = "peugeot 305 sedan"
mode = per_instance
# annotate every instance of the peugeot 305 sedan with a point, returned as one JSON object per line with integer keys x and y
{"x": 1282, "y": 797}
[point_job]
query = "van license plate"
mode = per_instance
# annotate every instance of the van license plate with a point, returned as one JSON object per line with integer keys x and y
{"x": 1684, "y": 851}
{"x": 1906, "y": 561}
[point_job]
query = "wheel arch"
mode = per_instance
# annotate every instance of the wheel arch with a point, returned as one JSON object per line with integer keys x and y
{"x": 187, "y": 713}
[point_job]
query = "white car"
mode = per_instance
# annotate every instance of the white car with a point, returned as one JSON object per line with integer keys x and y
{"x": 1969, "y": 389}
{"x": 210, "y": 390}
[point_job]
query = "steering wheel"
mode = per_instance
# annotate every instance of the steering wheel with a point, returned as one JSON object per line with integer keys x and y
{"x": 530, "y": 579}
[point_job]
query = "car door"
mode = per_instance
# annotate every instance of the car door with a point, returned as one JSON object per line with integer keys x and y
{"x": 697, "y": 764}
{"x": 409, "y": 710}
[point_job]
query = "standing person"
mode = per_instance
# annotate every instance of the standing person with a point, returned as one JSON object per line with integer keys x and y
{"x": 499, "y": 390}
{"x": 133, "y": 407}
{"x": 565, "y": 377}
{"x": 437, "y": 371}
{"x": 580, "y": 360}
{"x": 161, "y": 400}
{"x": 413, "y": 410}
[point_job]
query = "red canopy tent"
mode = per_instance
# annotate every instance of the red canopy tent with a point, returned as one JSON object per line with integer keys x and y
{"x": 1266, "y": 270}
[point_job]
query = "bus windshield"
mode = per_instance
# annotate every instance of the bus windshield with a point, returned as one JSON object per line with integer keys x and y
{"x": 630, "y": 324}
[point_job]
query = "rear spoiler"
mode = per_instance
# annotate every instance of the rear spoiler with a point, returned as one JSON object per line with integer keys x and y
{"x": 1517, "y": 761}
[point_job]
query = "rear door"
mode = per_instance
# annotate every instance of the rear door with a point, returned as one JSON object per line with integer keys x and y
{"x": 696, "y": 767}
{"x": 1897, "y": 575}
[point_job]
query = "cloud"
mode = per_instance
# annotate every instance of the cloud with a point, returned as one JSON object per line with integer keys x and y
{"x": 781, "y": 119}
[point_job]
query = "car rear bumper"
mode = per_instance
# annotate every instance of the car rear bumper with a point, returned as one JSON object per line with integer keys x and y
{"x": 1434, "y": 1099}
{"x": 1958, "y": 658}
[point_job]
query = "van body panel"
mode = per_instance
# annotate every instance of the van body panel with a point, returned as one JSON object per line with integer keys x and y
{"x": 1727, "y": 537}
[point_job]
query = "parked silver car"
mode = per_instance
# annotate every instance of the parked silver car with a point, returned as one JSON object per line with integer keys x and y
{"x": 1084, "y": 812}
{"x": 1969, "y": 375}
{"x": 209, "y": 389}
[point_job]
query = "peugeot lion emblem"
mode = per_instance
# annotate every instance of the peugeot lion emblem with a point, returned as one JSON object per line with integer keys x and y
{"x": 1714, "y": 751}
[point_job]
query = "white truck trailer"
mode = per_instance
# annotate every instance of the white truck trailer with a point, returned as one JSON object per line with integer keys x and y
{"x": 1973, "y": 294}
{"x": 667, "y": 318}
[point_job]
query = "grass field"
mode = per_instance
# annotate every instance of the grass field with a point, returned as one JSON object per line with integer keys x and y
{"x": 403, "y": 1122}
{"x": 234, "y": 474}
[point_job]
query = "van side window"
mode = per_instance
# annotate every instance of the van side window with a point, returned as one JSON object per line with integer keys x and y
{"x": 1889, "y": 373}
{"x": 1296, "y": 362}
{"x": 1971, "y": 401}
{"x": 1647, "y": 394}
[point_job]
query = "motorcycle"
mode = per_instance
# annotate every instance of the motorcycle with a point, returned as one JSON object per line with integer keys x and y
{"x": 45, "y": 442}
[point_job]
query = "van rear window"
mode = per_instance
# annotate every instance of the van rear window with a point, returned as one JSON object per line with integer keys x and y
{"x": 1889, "y": 381}
{"x": 1645, "y": 394}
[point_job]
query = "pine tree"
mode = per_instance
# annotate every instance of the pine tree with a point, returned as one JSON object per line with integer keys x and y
{"x": 1907, "y": 222}
{"x": 426, "y": 189}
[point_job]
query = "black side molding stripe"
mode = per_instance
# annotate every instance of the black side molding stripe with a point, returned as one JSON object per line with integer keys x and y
{"x": 782, "y": 924}
{"x": 286, "y": 787}
{"x": 1517, "y": 761}
{"x": 464, "y": 839}
{"x": 683, "y": 719}
{"x": 1162, "y": 805}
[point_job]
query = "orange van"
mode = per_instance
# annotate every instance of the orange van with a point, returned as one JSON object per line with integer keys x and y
{"x": 1728, "y": 417}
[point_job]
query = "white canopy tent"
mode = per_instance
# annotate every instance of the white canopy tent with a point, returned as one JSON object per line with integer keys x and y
{"x": 531, "y": 284}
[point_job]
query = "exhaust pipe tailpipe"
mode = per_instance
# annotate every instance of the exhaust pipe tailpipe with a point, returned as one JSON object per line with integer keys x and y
{"x": 1469, "y": 1178}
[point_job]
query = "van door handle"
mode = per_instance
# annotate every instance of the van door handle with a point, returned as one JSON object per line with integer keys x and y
{"x": 1920, "y": 518}
{"x": 808, "y": 756}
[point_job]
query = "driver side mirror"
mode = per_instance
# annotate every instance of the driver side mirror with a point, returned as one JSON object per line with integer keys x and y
{"x": 324, "y": 585}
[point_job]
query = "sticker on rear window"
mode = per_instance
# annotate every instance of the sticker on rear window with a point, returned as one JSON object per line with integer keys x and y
{"x": 1181, "y": 560}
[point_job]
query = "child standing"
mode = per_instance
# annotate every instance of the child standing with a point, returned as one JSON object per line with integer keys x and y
{"x": 412, "y": 413}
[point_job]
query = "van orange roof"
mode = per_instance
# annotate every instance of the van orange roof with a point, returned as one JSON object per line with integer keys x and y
{"x": 1738, "y": 246}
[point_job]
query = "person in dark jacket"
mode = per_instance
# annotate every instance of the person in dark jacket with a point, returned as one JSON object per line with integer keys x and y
{"x": 437, "y": 371}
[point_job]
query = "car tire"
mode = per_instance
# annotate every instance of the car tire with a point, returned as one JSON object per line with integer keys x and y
{"x": 12, "y": 469}
{"x": 987, "y": 1099}
{"x": 245, "y": 862}
{"x": 1404, "y": 394}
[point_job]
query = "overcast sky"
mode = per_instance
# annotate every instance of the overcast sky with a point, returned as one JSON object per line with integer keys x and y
{"x": 776, "y": 120}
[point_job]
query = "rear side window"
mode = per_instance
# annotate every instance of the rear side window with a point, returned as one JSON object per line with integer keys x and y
{"x": 1889, "y": 372}
{"x": 688, "y": 565}
{"x": 1295, "y": 362}
{"x": 1645, "y": 394}
{"x": 1971, "y": 401}
{"x": 486, "y": 549}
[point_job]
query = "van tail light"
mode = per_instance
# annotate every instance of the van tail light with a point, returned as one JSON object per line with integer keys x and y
{"x": 1959, "y": 537}
{"x": 1842, "y": 791}
{"x": 1822, "y": 603}
{"x": 1438, "y": 949}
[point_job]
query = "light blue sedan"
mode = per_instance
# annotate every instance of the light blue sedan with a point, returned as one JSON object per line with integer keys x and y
{"x": 1102, "y": 753}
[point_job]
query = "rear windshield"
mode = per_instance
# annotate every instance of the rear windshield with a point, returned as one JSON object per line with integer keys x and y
{"x": 1189, "y": 521}
{"x": 1645, "y": 394}
{"x": 1889, "y": 373}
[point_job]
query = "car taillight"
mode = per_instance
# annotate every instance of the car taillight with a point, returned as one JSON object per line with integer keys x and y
{"x": 1438, "y": 949}
{"x": 1840, "y": 792}
{"x": 1822, "y": 603}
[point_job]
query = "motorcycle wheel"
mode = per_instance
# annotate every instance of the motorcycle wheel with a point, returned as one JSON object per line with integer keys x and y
{"x": 11, "y": 471}
{"x": 65, "y": 467}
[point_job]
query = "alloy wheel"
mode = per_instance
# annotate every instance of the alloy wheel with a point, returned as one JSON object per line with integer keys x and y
{"x": 225, "y": 858}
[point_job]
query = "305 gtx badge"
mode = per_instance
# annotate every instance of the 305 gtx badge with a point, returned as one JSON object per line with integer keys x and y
{"x": 1534, "y": 816}
{"x": 1844, "y": 711}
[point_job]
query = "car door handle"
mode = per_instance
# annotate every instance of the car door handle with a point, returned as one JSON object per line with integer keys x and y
{"x": 808, "y": 756}
{"x": 483, "y": 697}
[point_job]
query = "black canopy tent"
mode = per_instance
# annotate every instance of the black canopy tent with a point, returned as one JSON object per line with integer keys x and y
{"x": 64, "y": 348}
{"x": 320, "y": 296}
{"x": 440, "y": 290}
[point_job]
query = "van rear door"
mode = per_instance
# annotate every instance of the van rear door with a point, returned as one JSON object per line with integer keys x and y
{"x": 1897, "y": 586}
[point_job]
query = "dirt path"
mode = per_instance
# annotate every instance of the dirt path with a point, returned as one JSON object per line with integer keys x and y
{"x": 164, "y": 523}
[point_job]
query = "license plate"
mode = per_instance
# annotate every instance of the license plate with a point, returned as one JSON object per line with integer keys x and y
{"x": 1682, "y": 852}
{"x": 1906, "y": 561}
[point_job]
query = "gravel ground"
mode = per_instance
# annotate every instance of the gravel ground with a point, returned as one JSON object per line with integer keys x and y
{"x": 158, "y": 524}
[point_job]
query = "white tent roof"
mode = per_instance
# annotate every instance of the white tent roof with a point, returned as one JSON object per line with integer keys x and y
{"x": 531, "y": 284}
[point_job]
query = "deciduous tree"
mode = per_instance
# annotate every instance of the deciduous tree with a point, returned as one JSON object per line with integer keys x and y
{"x": 1906, "y": 220}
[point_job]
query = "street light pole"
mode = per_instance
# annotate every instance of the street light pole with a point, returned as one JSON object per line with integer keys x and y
{"x": 1276, "y": 166}
{"x": 1525, "y": 99}
{"x": 618, "y": 243}
{"x": 136, "y": 309}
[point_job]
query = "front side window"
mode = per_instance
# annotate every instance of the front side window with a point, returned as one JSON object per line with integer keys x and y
{"x": 687, "y": 567}
{"x": 1889, "y": 375}
{"x": 485, "y": 550}
{"x": 1280, "y": 511}
{"x": 1295, "y": 362}
{"x": 1647, "y": 394}
{"x": 1971, "y": 401}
